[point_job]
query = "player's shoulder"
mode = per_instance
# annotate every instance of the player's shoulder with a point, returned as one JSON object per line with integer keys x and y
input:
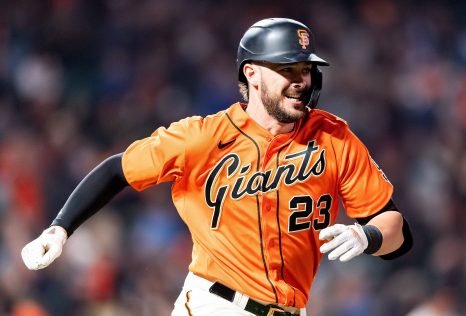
{"x": 327, "y": 122}
{"x": 327, "y": 117}
{"x": 200, "y": 127}
{"x": 198, "y": 121}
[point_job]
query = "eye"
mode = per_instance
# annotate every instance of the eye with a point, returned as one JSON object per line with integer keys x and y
{"x": 306, "y": 70}
{"x": 285, "y": 69}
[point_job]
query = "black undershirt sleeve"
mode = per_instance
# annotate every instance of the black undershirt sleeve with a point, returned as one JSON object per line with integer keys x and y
{"x": 405, "y": 246}
{"x": 408, "y": 238}
{"x": 390, "y": 206}
{"x": 102, "y": 184}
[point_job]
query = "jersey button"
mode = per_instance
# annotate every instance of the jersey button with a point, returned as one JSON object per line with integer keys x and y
{"x": 268, "y": 138}
{"x": 267, "y": 206}
{"x": 275, "y": 266}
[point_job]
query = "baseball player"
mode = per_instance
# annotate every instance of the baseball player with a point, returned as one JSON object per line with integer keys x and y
{"x": 258, "y": 186}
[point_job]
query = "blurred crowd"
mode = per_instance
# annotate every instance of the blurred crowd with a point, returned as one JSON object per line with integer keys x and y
{"x": 82, "y": 79}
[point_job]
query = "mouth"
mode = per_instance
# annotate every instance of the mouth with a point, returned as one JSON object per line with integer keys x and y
{"x": 294, "y": 98}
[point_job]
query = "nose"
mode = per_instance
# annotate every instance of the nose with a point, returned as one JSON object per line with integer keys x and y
{"x": 299, "y": 84}
{"x": 299, "y": 81}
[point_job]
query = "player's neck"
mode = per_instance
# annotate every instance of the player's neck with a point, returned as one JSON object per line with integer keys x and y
{"x": 260, "y": 115}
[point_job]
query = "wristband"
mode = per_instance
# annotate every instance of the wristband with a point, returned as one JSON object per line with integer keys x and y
{"x": 374, "y": 239}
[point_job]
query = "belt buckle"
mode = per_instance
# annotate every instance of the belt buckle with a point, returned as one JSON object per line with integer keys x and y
{"x": 272, "y": 311}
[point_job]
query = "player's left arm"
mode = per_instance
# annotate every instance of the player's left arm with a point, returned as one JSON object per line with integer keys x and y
{"x": 394, "y": 229}
{"x": 364, "y": 188}
{"x": 390, "y": 226}
{"x": 385, "y": 234}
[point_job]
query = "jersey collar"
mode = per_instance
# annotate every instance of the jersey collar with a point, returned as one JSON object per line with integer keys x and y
{"x": 237, "y": 113}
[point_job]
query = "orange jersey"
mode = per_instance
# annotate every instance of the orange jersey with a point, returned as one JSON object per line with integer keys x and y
{"x": 255, "y": 203}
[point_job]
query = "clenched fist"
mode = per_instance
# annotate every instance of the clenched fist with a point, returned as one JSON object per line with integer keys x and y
{"x": 43, "y": 250}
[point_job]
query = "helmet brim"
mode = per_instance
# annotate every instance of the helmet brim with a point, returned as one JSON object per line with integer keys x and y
{"x": 313, "y": 58}
{"x": 285, "y": 58}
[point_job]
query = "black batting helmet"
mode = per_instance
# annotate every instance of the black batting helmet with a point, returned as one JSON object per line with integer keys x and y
{"x": 281, "y": 41}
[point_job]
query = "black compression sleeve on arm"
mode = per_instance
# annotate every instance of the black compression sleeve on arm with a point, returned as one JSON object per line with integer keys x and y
{"x": 390, "y": 206}
{"x": 405, "y": 246}
{"x": 407, "y": 236}
{"x": 92, "y": 193}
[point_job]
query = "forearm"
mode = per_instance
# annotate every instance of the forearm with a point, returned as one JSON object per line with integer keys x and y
{"x": 390, "y": 224}
{"x": 92, "y": 193}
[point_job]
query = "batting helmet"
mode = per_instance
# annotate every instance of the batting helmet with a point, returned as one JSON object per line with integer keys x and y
{"x": 281, "y": 41}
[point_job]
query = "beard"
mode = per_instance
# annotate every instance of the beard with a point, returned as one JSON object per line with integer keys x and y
{"x": 274, "y": 106}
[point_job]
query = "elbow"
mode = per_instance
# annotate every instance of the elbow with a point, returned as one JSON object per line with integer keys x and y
{"x": 390, "y": 224}
{"x": 407, "y": 242}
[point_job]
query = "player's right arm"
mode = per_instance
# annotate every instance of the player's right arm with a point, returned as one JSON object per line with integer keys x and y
{"x": 144, "y": 163}
{"x": 93, "y": 192}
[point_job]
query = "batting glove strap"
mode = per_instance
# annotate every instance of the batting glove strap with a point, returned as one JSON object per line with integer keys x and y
{"x": 374, "y": 239}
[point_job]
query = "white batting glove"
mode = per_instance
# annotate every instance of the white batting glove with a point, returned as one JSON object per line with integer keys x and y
{"x": 346, "y": 241}
{"x": 43, "y": 250}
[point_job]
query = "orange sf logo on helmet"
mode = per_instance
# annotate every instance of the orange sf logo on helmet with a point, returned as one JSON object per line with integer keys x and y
{"x": 303, "y": 38}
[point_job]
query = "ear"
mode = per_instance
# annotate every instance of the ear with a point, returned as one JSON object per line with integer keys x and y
{"x": 251, "y": 72}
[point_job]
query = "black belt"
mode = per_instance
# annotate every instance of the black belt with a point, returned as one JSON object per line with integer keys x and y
{"x": 252, "y": 306}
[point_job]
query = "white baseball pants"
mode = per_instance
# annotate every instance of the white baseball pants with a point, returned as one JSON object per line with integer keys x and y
{"x": 196, "y": 300}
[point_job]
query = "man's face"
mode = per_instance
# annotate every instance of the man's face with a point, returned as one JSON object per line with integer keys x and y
{"x": 282, "y": 90}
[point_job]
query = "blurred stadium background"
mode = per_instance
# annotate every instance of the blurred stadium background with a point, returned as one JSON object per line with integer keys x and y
{"x": 81, "y": 79}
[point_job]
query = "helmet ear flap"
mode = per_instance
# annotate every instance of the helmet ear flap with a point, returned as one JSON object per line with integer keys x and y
{"x": 316, "y": 86}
